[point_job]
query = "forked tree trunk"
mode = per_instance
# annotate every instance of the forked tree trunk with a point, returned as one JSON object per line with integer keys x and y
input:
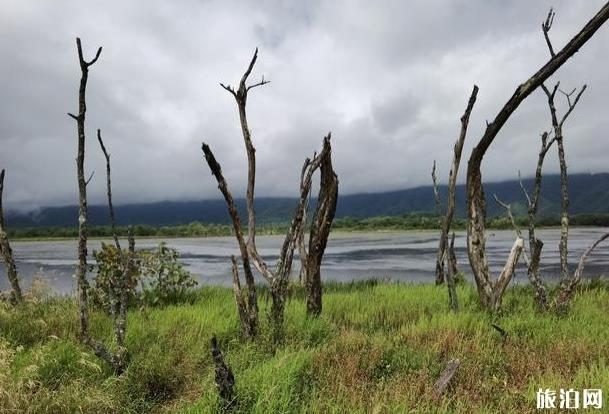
{"x": 81, "y": 269}
{"x": 7, "y": 252}
{"x": 568, "y": 289}
{"x": 118, "y": 360}
{"x": 489, "y": 289}
{"x": 277, "y": 278}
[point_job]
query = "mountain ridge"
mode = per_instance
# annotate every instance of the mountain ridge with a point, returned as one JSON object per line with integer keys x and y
{"x": 589, "y": 194}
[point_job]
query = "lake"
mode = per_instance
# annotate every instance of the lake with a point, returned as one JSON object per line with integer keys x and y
{"x": 407, "y": 256}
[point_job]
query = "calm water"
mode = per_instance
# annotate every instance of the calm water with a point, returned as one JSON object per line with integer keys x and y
{"x": 400, "y": 256}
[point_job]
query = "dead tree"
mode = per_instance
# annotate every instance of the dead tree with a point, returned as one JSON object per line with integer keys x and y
{"x": 535, "y": 245}
{"x": 7, "y": 253}
{"x": 248, "y": 310}
{"x": 451, "y": 274}
{"x": 567, "y": 290}
{"x": 118, "y": 289}
{"x": 491, "y": 290}
{"x": 452, "y": 184}
{"x": 224, "y": 378}
{"x": 557, "y": 126}
{"x": 440, "y": 262}
{"x": 277, "y": 278}
{"x": 115, "y": 360}
{"x": 320, "y": 227}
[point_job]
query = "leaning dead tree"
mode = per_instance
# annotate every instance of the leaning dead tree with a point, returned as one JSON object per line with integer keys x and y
{"x": 278, "y": 277}
{"x": 452, "y": 185}
{"x": 491, "y": 290}
{"x": 7, "y": 253}
{"x": 440, "y": 262}
{"x": 320, "y": 226}
{"x": 118, "y": 289}
{"x": 446, "y": 253}
{"x": 115, "y": 360}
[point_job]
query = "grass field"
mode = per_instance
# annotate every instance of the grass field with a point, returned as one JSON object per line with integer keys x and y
{"x": 376, "y": 348}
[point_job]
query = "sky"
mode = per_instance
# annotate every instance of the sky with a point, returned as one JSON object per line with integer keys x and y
{"x": 389, "y": 79}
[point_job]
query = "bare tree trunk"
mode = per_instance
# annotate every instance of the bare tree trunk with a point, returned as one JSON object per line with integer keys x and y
{"x": 536, "y": 245}
{"x": 557, "y": 126}
{"x": 566, "y": 293}
{"x": 442, "y": 243}
{"x": 119, "y": 288}
{"x": 320, "y": 229}
{"x": 451, "y": 274}
{"x": 225, "y": 381}
{"x": 7, "y": 252}
{"x": 452, "y": 184}
{"x": 475, "y": 192}
{"x": 279, "y": 277}
{"x": 81, "y": 270}
{"x": 116, "y": 361}
{"x": 248, "y": 311}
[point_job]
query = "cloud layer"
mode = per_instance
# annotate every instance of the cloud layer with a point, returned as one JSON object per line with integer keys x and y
{"x": 389, "y": 79}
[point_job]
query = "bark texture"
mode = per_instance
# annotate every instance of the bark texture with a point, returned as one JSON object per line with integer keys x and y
{"x": 451, "y": 274}
{"x": 476, "y": 209}
{"x": 7, "y": 252}
{"x": 320, "y": 229}
{"x": 557, "y": 126}
{"x": 248, "y": 310}
{"x": 116, "y": 360}
{"x": 452, "y": 184}
{"x": 225, "y": 381}
{"x": 568, "y": 289}
{"x": 278, "y": 277}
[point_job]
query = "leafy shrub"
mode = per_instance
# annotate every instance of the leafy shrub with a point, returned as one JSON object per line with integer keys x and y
{"x": 167, "y": 279}
{"x": 161, "y": 276}
{"x": 110, "y": 268}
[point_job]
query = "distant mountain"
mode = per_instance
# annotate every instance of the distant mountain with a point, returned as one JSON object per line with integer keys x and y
{"x": 589, "y": 193}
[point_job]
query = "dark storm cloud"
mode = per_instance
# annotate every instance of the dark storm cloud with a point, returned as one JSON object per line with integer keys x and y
{"x": 389, "y": 79}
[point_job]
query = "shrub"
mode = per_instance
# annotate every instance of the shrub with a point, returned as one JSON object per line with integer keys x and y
{"x": 167, "y": 279}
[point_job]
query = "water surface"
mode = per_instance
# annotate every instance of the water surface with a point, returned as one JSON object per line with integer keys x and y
{"x": 396, "y": 256}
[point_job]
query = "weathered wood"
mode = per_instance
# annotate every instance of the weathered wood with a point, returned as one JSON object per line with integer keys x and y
{"x": 224, "y": 378}
{"x": 452, "y": 184}
{"x": 109, "y": 193}
{"x": 320, "y": 229}
{"x": 278, "y": 277}
{"x": 566, "y": 292}
{"x": 451, "y": 274}
{"x": 445, "y": 378}
{"x": 114, "y": 360}
{"x": 250, "y": 323}
{"x": 476, "y": 209}
{"x": 7, "y": 252}
{"x": 81, "y": 269}
{"x": 557, "y": 126}
{"x": 442, "y": 243}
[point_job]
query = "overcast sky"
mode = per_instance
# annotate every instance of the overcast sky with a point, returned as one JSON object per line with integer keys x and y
{"x": 390, "y": 79}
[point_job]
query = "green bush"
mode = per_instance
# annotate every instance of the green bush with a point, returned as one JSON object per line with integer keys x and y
{"x": 161, "y": 278}
{"x": 166, "y": 279}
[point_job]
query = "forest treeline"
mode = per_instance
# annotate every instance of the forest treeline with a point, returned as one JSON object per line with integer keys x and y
{"x": 423, "y": 221}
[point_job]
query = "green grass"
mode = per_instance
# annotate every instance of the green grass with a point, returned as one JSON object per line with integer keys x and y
{"x": 376, "y": 348}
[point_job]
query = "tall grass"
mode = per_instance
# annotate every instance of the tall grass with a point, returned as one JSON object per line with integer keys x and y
{"x": 376, "y": 348}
